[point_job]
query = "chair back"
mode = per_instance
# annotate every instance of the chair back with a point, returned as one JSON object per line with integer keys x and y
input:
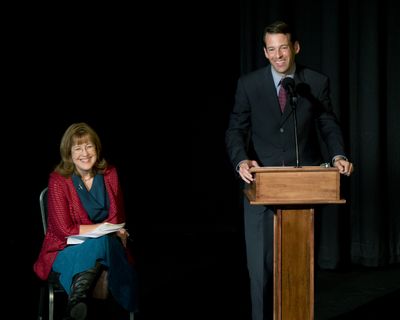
{"x": 43, "y": 208}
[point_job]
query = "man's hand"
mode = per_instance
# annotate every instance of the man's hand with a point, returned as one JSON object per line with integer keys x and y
{"x": 345, "y": 167}
{"x": 244, "y": 168}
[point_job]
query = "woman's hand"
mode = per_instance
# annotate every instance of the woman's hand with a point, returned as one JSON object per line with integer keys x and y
{"x": 123, "y": 235}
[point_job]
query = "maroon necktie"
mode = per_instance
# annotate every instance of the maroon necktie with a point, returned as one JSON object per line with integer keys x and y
{"x": 282, "y": 97}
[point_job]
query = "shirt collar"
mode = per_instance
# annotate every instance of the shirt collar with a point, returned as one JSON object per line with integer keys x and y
{"x": 278, "y": 77}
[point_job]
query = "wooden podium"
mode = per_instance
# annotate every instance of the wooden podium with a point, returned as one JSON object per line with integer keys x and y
{"x": 293, "y": 192}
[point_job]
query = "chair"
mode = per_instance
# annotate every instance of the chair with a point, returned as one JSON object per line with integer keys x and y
{"x": 53, "y": 285}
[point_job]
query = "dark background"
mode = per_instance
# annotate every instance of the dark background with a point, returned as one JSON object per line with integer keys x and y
{"x": 157, "y": 85}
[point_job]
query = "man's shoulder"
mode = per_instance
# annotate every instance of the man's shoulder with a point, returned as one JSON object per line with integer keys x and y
{"x": 256, "y": 74}
{"x": 310, "y": 73}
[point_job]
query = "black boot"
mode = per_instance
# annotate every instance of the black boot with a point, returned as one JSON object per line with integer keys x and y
{"x": 82, "y": 284}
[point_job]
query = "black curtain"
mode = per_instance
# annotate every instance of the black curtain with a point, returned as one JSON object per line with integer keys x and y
{"x": 355, "y": 43}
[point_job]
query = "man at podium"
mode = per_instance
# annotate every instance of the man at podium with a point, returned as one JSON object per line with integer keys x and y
{"x": 273, "y": 127}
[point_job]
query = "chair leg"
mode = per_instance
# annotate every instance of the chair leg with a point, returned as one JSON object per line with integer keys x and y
{"x": 41, "y": 302}
{"x": 51, "y": 302}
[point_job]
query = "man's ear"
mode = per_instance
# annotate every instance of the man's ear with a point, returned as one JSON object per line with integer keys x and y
{"x": 296, "y": 47}
{"x": 265, "y": 52}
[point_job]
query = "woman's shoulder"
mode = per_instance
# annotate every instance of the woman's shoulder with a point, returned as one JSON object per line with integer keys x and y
{"x": 110, "y": 175}
{"x": 56, "y": 176}
{"x": 58, "y": 184}
{"x": 111, "y": 169}
{"x": 110, "y": 172}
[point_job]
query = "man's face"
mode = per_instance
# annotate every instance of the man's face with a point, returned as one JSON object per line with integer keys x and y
{"x": 280, "y": 51}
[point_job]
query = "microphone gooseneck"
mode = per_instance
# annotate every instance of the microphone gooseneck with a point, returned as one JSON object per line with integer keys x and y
{"x": 290, "y": 87}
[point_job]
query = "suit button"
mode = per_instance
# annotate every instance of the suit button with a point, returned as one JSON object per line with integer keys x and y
{"x": 281, "y": 130}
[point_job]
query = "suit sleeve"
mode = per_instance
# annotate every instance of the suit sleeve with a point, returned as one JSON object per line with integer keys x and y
{"x": 328, "y": 123}
{"x": 237, "y": 134}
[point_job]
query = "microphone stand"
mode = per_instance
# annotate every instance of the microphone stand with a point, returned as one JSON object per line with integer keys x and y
{"x": 293, "y": 103}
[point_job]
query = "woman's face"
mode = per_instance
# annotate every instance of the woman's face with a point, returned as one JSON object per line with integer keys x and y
{"x": 84, "y": 155}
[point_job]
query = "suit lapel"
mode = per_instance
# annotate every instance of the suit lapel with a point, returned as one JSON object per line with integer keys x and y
{"x": 268, "y": 91}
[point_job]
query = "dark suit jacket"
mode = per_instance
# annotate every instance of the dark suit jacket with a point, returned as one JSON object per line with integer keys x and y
{"x": 259, "y": 131}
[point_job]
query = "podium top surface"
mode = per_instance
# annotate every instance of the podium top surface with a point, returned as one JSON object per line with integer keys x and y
{"x": 292, "y": 169}
{"x": 294, "y": 185}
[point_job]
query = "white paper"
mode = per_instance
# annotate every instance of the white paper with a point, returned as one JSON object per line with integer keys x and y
{"x": 101, "y": 230}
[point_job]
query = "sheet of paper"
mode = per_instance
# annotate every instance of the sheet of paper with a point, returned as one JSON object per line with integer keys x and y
{"x": 101, "y": 230}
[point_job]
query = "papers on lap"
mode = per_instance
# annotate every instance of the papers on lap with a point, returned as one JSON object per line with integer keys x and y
{"x": 101, "y": 230}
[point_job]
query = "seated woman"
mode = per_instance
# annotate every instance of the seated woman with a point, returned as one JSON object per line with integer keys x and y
{"x": 83, "y": 193}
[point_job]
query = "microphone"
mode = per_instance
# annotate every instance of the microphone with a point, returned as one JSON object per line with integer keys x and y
{"x": 288, "y": 84}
